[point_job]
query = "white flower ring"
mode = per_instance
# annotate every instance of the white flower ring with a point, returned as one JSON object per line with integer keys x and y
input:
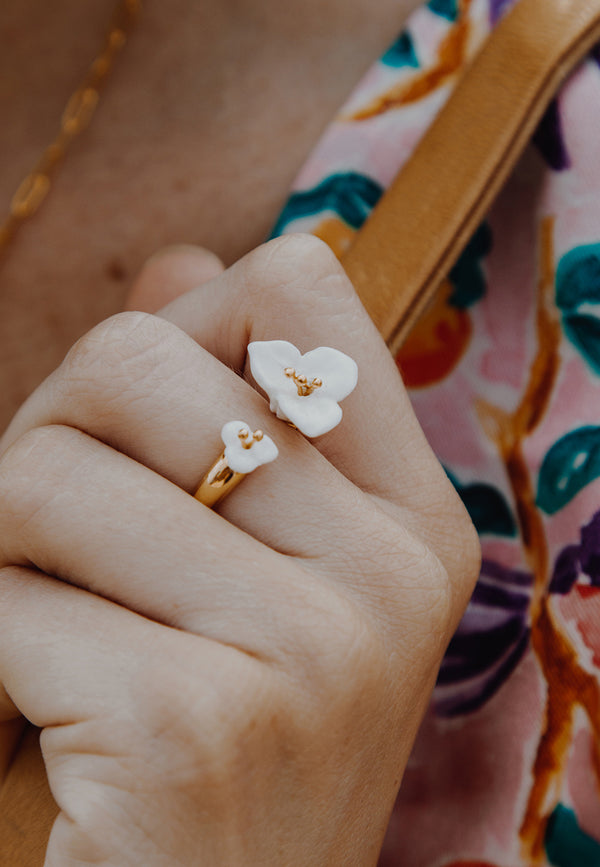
{"x": 246, "y": 450}
{"x": 303, "y": 389}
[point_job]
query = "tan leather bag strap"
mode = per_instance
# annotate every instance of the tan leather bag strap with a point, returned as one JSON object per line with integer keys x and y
{"x": 424, "y": 220}
{"x": 27, "y": 808}
{"x": 405, "y": 249}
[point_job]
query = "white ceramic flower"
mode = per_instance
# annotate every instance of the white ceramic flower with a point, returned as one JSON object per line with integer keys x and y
{"x": 303, "y": 389}
{"x": 246, "y": 450}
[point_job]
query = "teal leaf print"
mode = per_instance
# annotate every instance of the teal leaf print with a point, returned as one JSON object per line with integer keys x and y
{"x": 571, "y": 464}
{"x": 446, "y": 8}
{"x": 487, "y": 508}
{"x": 578, "y": 284}
{"x": 578, "y": 277}
{"x": 350, "y": 195}
{"x": 401, "y": 53}
{"x": 584, "y": 332}
{"x": 566, "y": 844}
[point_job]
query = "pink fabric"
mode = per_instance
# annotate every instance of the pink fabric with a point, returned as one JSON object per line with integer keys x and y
{"x": 473, "y": 792}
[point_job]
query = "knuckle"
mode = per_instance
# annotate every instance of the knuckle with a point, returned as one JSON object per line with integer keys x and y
{"x": 178, "y": 674}
{"x": 351, "y": 669}
{"x": 432, "y": 605}
{"x": 14, "y": 582}
{"x": 338, "y": 636}
{"x": 284, "y": 267}
{"x": 470, "y": 546}
{"x": 408, "y": 587}
{"x": 447, "y": 528}
{"x": 290, "y": 251}
{"x": 121, "y": 348}
{"x": 175, "y": 705}
{"x": 29, "y": 464}
{"x": 27, "y": 456}
{"x": 462, "y": 550}
{"x": 360, "y": 648}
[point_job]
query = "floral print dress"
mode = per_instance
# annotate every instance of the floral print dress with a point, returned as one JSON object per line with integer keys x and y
{"x": 506, "y": 769}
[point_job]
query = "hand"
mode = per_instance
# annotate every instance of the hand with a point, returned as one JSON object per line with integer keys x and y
{"x": 232, "y": 688}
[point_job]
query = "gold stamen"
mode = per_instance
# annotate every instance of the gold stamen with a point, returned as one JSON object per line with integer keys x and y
{"x": 243, "y": 434}
{"x": 301, "y": 382}
{"x": 247, "y": 439}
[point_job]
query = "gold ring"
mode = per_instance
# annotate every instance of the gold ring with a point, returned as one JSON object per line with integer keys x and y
{"x": 245, "y": 450}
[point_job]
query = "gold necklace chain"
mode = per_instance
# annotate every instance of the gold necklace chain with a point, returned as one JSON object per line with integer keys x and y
{"x": 76, "y": 116}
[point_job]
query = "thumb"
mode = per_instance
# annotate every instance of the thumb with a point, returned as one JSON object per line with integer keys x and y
{"x": 169, "y": 273}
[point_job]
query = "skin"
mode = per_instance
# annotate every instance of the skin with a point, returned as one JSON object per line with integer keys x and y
{"x": 232, "y": 687}
{"x": 196, "y": 143}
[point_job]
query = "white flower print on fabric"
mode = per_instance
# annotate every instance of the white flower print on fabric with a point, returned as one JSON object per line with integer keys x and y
{"x": 303, "y": 389}
{"x": 246, "y": 450}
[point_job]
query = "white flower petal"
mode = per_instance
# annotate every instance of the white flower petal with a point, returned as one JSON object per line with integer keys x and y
{"x": 243, "y": 460}
{"x": 312, "y": 415}
{"x": 338, "y": 371}
{"x": 268, "y": 361}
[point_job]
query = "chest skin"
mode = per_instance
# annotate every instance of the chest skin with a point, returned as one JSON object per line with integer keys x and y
{"x": 203, "y": 124}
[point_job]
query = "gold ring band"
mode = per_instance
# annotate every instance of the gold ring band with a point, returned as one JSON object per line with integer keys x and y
{"x": 244, "y": 452}
{"x": 219, "y": 481}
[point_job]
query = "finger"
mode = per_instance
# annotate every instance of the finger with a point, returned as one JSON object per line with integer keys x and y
{"x": 295, "y": 289}
{"x": 128, "y": 535}
{"x": 67, "y": 655}
{"x": 142, "y": 386}
{"x": 79, "y": 510}
{"x": 52, "y": 627}
{"x": 171, "y": 272}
